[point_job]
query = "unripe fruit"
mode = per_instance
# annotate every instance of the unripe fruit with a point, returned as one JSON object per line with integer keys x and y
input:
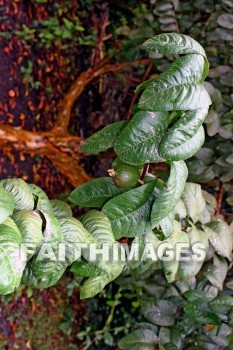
{"x": 124, "y": 176}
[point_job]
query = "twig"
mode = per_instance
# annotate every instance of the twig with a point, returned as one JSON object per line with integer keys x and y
{"x": 220, "y": 198}
{"x": 62, "y": 123}
{"x": 135, "y": 96}
{"x": 145, "y": 170}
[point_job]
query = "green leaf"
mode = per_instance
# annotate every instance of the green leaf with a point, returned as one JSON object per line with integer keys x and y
{"x": 170, "y": 335}
{"x": 190, "y": 266}
{"x": 29, "y": 224}
{"x": 23, "y": 196}
{"x": 178, "y": 88}
{"x": 167, "y": 224}
{"x": 45, "y": 261}
{"x": 12, "y": 257}
{"x": 129, "y": 213}
{"x": 42, "y": 201}
{"x": 98, "y": 225}
{"x": 193, "y": 200}
{"x": 222, "y": 304}
{"x": 73, "y": 235}
{"x": 60, "y": 208}
{"x": 100, "y": 228}
{"x": 140, "y": 339}
{"x": 199, "y": 312}
{"x": 45, "y": 281}
{"x": 216, "y": 272}
{"x": 103, "y": 139}
{"x": 85, "y": 268}
{"x": 185, "y": 137}
{"x": 161, "y": 313}
{"x": 220, "y": 237}
{"x": 95, "y": 193}
{"x": 173, "y": 43}
{"x": 7, "y": 204}
{"x": 138, "y": 143}
{"x": 170, "y": 193}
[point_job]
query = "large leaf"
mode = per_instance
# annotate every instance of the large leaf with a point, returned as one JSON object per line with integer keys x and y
{"x": 178, "y": 88}
{"x": 193, "y": 200}
{"x": 12, "y": 257}
{"x": 29, "y": 224}
{"x": 85, "y": 268}
{"x": 74, "y": 234}
{"x": 220, "y": 237}
{"x": 199, "y": 311}
{"x": 98, "y": 225}
{"x": 60, "y": 208}
{"x": 170, "y": 193}
{"x": 140, "y": 339}
{"x": 23, "y": 196}
{"x": 45, "y": 261}
{"x": 173, "y": 43}
{"x": 161, "y": 313}
{"x": 184, "y": 138}
{"x": 7, "y": 204}
{"x": 95, "y": 193}
{"x": 100, "y": 228}
{"x": 129, "y": 213}
{"x": 45, "y": 281}
{"x": 103, "y": 139}
{"x": 139, "y": 141}
{"x": 42, "y": 201}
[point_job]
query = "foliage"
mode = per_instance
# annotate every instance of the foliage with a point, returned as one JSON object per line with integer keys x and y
{"x": 166, "y": 127}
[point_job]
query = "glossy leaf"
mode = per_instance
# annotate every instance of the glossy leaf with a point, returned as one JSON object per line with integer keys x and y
{"x": 42, "y": 201}
{"x": 29, "y": 224}
{"x": 216, "y": 272}
{"x": 140, "y": 339}
{"x": 193, "y": 200}
{"x": 138, "y": 143}
{"x": 167, "y": 224}
{"x": 173, "y": 43}
{"x": 60, "y": 208}
{"x": 220, "y": 237}
{"x": 170, "y": 193}
{"x": 161, "y": 313}
{"x": 12, "y": 257}
{"x": 95, "y": 193}
{"x": 23, "y": 196}
{"x": 7, "y": 204}
{"x": 129, "y": 213}
{"x": 103, "y": 139}
{"x": 185, "y": 137}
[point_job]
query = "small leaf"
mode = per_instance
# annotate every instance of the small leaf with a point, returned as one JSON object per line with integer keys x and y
{"x": 85, "y": 268}
{"x": 60, "y": 208}
{"x": 129, "y": 213}
{"x": 198, "y": 310}
{"x": 193, "y": 200}
{"x": 182, "y": 140}
{"x": 7, "y": 204}
{"x": 95, "y": 193}
{"x": 103, "y": 139}
{"x": 216, "y": 272}
{"x": 140, "y": 339}
{"x": 170, "y": 193}
{"x": 139, "y": 141}
{"x": 23, "y": 196}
